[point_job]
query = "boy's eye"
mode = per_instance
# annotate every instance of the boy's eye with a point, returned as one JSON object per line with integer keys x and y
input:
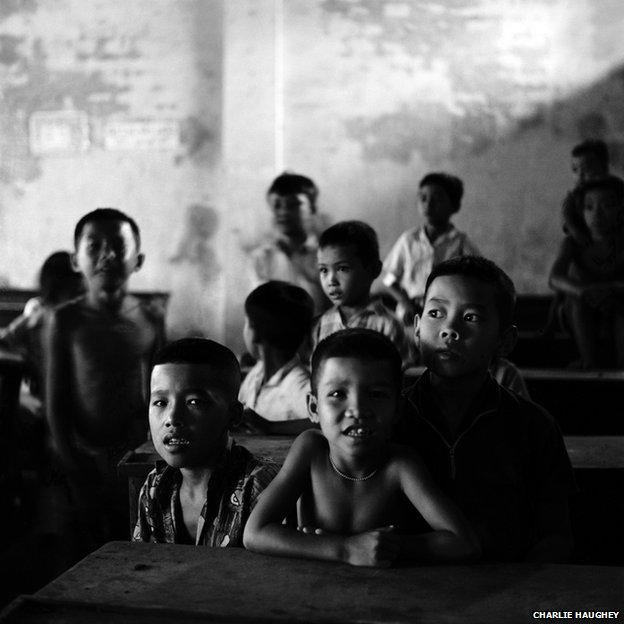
{"x": 159, "y": 403}
{"x": 344, "y": 268}
{"x": 197, "y": 401}
{"x": 471, "y": 317}
{"x": 379, "y": 394}
{"x": 336, "y": 394}
{"x": 322, "y": 270}
{"x": 433, "y": 313}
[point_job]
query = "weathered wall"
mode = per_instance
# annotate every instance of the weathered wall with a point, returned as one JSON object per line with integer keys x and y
{"x": 181, "y": 111}
{"x": 108, "y": 103}
{"x": 379, "y": 92}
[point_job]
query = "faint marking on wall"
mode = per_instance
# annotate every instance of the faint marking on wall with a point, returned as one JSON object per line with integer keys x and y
{"x": 9, "y": 7}
{"x": 9, "y": 54}
{"x": 34, "y": 88}
{"x": 194, "y": 248}
{"x": 109, "y": 49}
{"x": 141, "y": 134}
{"x": 197, "y": 139}
{"x": 58, "y": 132}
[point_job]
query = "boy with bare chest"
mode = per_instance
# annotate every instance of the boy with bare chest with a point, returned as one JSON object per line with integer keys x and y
{"x": 351, "y": 485}
{"x": 98, "y": 353}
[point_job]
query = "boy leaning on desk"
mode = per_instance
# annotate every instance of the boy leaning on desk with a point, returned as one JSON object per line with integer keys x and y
{"x": 207, "y": 485}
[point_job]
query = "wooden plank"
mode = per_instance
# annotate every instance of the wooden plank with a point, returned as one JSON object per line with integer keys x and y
{"x": 235, "y": 585}
{"x": 585, "y": 452}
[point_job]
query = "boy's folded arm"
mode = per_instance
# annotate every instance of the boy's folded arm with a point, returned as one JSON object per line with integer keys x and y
{"x": 452, "y": 538}
{"x": 264, "y": 531}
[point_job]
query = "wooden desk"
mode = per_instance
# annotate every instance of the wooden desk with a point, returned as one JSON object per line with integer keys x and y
{"x": 155, "y": 583}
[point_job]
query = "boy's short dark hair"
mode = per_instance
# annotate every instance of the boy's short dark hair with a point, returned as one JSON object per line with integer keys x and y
{"x": 358, "y": 234}
{"x": 358, "y": 343}
{"x": 106, "y": 214}
{"x": 280, "y": 314}
{"x": 611, "y": 184}
{"x": 203, "y": 351}
{"x": 452, "y": 186}
{"x": 593, "y": 147}
{"x": 483, "y": 270}
{"x": 289, "y": 183}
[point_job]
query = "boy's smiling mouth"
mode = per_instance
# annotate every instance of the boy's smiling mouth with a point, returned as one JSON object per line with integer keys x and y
{"x": 357, "y": 431}
{"x": 175, "y": 441}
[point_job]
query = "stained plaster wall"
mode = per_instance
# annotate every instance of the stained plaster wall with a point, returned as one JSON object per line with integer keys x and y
{"x": 379, "y": 92}
{"x": 140, "y": 61}
{"x": 363, "y": 95}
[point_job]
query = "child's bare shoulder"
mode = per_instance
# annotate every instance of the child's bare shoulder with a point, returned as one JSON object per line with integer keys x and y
{"x": 404, "y": 459}
{"x": 310, "y": 442}
{"x": 69, "y": 314}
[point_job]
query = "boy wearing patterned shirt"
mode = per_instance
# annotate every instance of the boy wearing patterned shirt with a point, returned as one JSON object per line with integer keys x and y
{"x": 208, "y": 486}
{"x": 348, "y": 263}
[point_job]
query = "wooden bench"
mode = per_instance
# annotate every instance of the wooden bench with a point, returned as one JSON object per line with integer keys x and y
{"x": 155, "y": 583}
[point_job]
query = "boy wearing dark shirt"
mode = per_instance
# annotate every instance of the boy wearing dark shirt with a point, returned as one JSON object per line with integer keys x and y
{"x": 208, "y": 485}
{"x": 499, "y": 457}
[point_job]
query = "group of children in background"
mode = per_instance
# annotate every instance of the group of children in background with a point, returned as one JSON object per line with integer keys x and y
{"x": 454, "y": 467}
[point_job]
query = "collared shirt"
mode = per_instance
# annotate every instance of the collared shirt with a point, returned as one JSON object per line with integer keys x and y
{"x": 413, "y": 256}
{"x": 374, "y": 316}
{"x": 282, "y": 397}
{"x": 508, "y": 459}
{"x": 233, "y": 490}
{"x": 276, "y": 260}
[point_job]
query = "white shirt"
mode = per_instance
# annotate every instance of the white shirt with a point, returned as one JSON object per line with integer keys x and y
{"x": 276, "y": 261}
{"x": 413, "y": 256}
{"x": 283, "y": 397}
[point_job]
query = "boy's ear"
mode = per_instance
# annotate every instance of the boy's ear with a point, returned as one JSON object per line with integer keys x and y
{"x": 140, "y": 261}
{"x": 507, "y": 341}
{"x": 74, "y": 262}
{"x": 236, "y": 413}
{"x": 417, "y": 326}
{"x": 312, "y": 404}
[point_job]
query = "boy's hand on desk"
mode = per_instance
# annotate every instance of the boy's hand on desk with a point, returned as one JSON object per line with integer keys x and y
{"x": 310, "y": 530}
{"x": 378, "y": 548}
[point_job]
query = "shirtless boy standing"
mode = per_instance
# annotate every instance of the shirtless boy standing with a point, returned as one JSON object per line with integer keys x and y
{"x": 352, "y": 485}
{"x": 98, "y": 352}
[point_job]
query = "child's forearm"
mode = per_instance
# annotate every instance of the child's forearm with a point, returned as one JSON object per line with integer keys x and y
{"x": 565, "y": 285}
{"x": 439, "y": 547}
{"x": 282, "y": 541}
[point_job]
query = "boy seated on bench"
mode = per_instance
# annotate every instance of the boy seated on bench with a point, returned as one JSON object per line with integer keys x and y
{"x": 499, "y": 457}
{"x": 353, "y": 487}
{"x": 207, "y": 485}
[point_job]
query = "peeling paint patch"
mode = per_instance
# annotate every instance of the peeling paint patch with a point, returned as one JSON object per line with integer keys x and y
{"x": 109, "y": 49}
{"x": 194, "y": 248}
{"x": 195, "y": 136}
{"x": 9, "y": 7}
{"x": 9, "y": 54}
{"x": 36, "y": 88}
